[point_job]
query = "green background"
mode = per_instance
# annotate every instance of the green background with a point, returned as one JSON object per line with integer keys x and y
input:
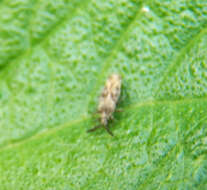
{"x": 54, "y": 59}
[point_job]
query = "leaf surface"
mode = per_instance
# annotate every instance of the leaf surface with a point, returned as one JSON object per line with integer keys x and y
{"x": 54, "y": 59}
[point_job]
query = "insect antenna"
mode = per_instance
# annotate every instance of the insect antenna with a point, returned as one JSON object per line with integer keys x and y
{"x": 93, "y": 129}
{"x": 108, "y": 130}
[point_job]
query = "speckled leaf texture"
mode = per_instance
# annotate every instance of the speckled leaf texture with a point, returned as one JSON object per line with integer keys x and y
{"x": 55, "y": 56}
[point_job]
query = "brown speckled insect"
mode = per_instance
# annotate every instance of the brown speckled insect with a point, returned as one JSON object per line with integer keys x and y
{"x": 107, "y": 102}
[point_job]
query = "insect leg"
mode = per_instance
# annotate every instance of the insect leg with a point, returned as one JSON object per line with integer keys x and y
{"x": 93, "y": 129}
{"x": 111, "y": 117}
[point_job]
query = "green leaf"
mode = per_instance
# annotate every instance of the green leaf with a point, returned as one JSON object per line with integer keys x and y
{"x": 54, "y": 59}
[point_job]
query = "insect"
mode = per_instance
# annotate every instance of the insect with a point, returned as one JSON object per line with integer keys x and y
{"x": 107, "y": 102}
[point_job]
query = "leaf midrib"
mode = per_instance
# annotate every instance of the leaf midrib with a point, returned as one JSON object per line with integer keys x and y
{"x": 86, "y": 118}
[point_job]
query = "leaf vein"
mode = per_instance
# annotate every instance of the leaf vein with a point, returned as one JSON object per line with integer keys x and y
{"x": 178, "y": 58}
{"x": 53, "y": 30}
{"x": 84, "y": 118}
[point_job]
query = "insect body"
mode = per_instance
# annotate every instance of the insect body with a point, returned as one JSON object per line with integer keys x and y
{"x": 107, "y": 101}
